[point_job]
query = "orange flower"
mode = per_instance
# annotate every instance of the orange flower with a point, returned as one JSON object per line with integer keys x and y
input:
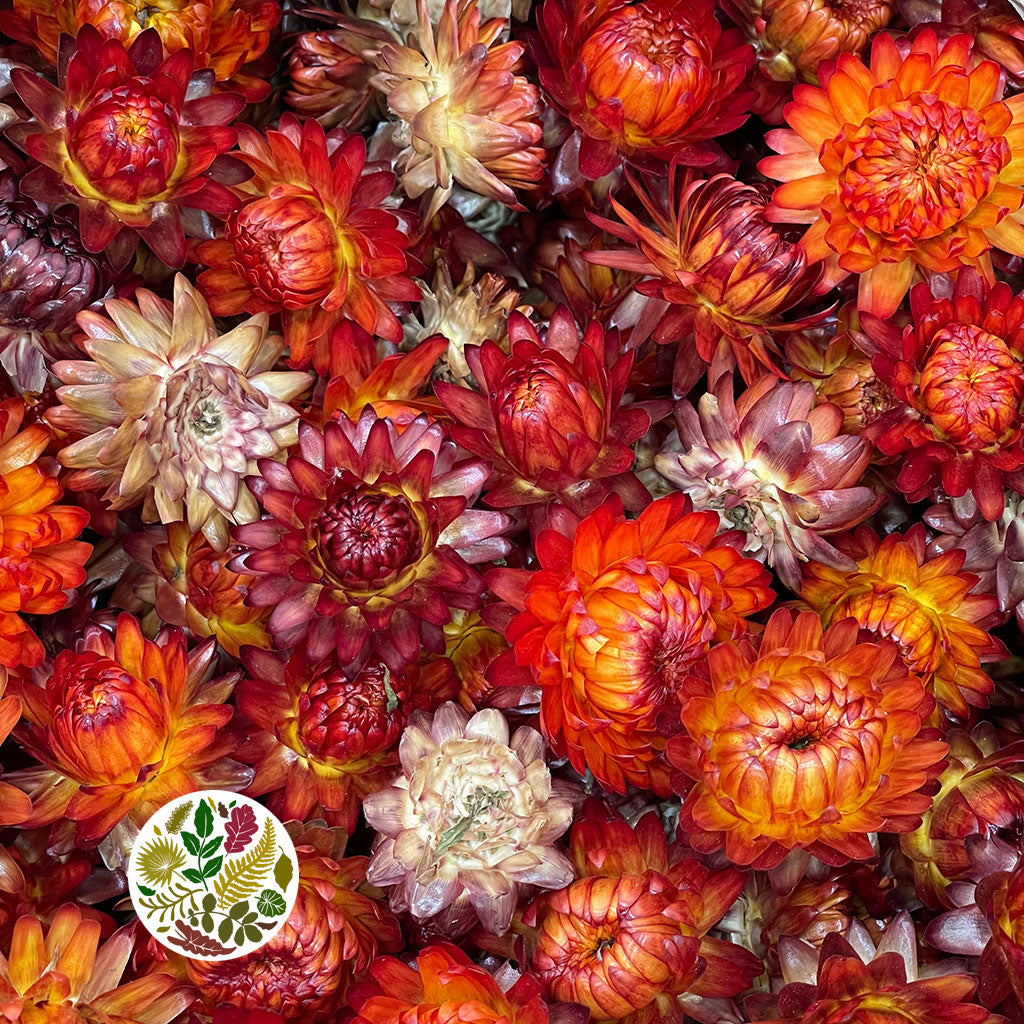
{"x": 614, "y": 617}
{"x": 124, "y": 724}
{"x": 805, "y": 740}
{"x": 67, "y": 978}
{"x": 446, "y": 986}
{"x": 924, "y": 604}
{"x": 223, "y": 34}
{"x": 40, "y": 559}
{"x": 912, "y": 161}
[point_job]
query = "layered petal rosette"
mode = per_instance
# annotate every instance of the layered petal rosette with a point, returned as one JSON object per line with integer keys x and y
{"x": 612, "y": 619}
{"x": 774, "y": 464}
{"x": 175, "y": 414}
{"x": 553, "y": 418}
{"x": 126, "y": 138}
{"x": 802, "y": 739}
{"x": 926, "y": 605}
{"x": 643, "y": 82}
{"x": 909, "y": 161}
{"x": 471, "y": 822}
{"x": 312, "y": 241}
{"x": 370, "y": 542}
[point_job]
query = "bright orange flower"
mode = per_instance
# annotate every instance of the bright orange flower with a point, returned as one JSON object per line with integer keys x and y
{"x": 912, "y": 161}
{"x": 312, "y": 240}
{"x": 924, "y": 604}
{"x": 613, "y": 618}
{"x": 40, "y": 559}
{"x": 66, "y": 977}
{"x": 445, "y": 986}
{"x": 125, "y": 724}
{"x": 222, "y": 34}
{"x": 803, "y": 740}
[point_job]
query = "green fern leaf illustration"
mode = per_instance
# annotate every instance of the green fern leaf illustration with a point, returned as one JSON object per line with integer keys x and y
{"x": 178, "y": 817}
{"x": 242, "y": 877}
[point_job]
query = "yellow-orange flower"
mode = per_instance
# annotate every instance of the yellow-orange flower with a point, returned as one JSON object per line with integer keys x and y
{"x": 613, "y": 619}
{"x": 914, "y": 160}
{"x": 807, "y": 740}
{"x": 924, "y": 604}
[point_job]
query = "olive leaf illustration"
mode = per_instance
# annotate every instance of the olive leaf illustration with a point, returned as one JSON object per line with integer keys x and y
{"x": 177, "y": 817}
{"x": 243, "y": 876}
{"x": 159, "y": 859}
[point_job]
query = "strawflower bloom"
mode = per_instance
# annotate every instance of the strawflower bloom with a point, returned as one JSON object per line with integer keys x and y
{"x": 926, "y": 605}
{"x": 911, "y": 161}
{"x": 370, "y": 541}
{"x": 325, "y": 741}
{"x": 956, "y": 372}
{"x": 471, "y": 822}
{"x": 642, "y": 82}
{"x": 853, "y": 981}
{"x": 186, "y": 582}
{"x": 628, "y": 939}
{"x": 445, "y": 983}
{"x": 612, "y": 619}
{"x": 333, "y": 932}
{"x": 552, "y": 418}
{"x": 41, "y": 559}
{"x": 124, "y": 725}
{"x": 803, "y": 739}
{"x": 774, "y": 464}
{"x": 116, "y": 110}
{"x": 222, "y": 34}
{"x": 175, "y": 414}
{"x": 312, "y": 240}
{"x": 464, "y": 115}
{"x": 726, "y": 278}
{"x": 67, "y": 977}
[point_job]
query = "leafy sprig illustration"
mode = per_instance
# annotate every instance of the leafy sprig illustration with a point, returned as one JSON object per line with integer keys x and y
{"x": 202, "y": 847}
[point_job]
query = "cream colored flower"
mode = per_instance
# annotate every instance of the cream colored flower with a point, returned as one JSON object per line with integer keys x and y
{"x": 470, "y": 822}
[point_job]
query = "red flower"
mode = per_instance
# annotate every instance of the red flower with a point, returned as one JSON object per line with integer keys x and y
{"x": 121, "y": 138}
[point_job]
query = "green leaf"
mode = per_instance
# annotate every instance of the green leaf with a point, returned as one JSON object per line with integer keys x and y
{"x": 249, "y": 918}
{"x": 209, "y": 901}
{"x": 177, "y": 818}
{"x": 252, "y": 934}
{"x": 207, "y": 923}
{"x": 191, "y": 842}
{"x": 239, "y": 937}
{"x": 271, "y": 903}
{"x": 211, "y": 847}
{"x": 224, "y": 931}
{"x": 192, "y": 875}
{"x": 165, "y": 928}
{"x": 283, "y": 872}
{"x": 145, "y": 891}
{"x": 203, "y": 820}
{"x": 239, "y": 910}
{"x": 211, "y": 868}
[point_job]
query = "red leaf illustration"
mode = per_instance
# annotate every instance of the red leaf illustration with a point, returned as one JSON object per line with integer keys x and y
{"x": 194, "y": 941}
{"x": 240, "y": 828}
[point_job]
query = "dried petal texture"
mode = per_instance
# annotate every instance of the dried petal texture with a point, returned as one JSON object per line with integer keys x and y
{"x": 802, "y": 740}
{"x": 470, "y": 824}
{"x": 464, "y": 115}
{"x": 124, "y": 724}
{"x": 552, "y": 417}
{"x": 924, "y": 604}
{"x": 114, "y": 111}
{"x": 612, "y": 619}
{"x": 41, "y": 559}
{"x": 68, "y": 977}
{"x": 444, "y": 985}
{"x": 222, "y": 34}
{"x": 913, "y": 160}
{"x": 957, "y": 374}
{"x": 175, "y": 414}
{"x": 324, "y": 741}
{"x": 641, "y": 82}
{"x": 312, "y": 240}
{"x": 370, "y": 540}
{"x": 722, "y": 279}
{"x": 774, "y": 464}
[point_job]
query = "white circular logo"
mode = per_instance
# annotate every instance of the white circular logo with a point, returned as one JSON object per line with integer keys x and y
{"x": 213, "y": 875}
